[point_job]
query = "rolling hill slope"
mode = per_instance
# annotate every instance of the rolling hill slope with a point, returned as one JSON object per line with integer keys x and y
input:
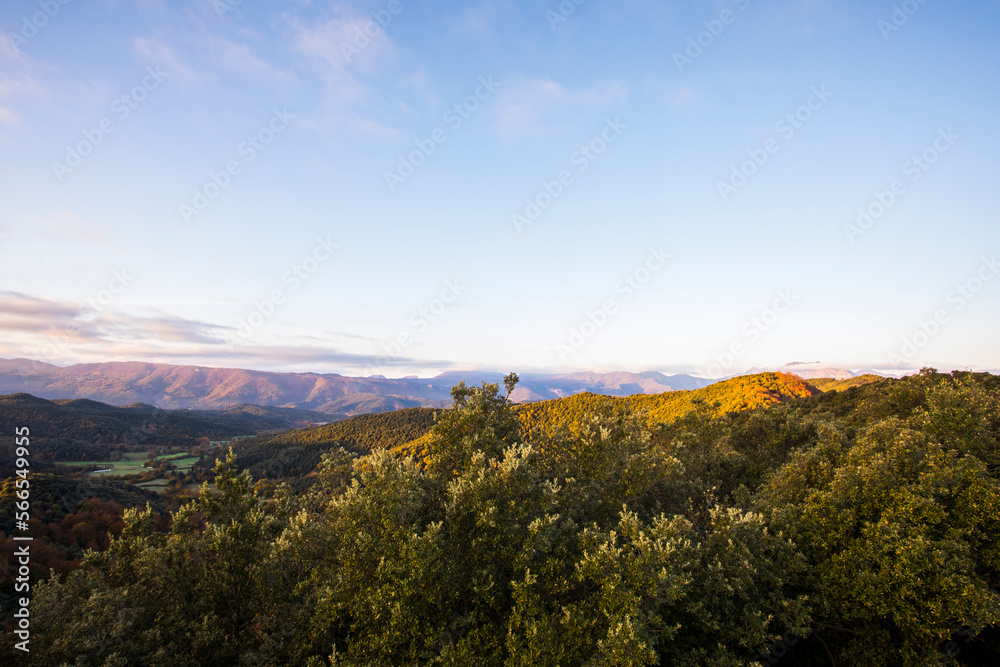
{"x": 296, "y": 453}
{"x": 81, "y": 429}
{"x": 736, "y": 394}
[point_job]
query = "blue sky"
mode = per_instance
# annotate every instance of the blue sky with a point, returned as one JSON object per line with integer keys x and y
{"x": 408, "y": 187}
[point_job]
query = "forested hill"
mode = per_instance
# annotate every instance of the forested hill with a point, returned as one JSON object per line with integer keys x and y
{"x": 79, "y": 429}
{"x": 740, "y": 393}
{"x": 833, "y": 384}
{"x": 296, "y": 453}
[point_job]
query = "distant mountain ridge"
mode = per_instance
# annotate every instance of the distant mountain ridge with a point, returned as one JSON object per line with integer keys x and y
{"x": 811, "y": 370}
{"x": 169, "y": 386}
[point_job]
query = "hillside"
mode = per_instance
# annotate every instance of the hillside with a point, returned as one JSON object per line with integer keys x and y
{"x": 297, "y": 453}
{"x": 55, "y": 495}
{"x": 833, "y": 384}
{"x": 82, "y": 429}
{"x": 736, "y": 394}
{"x": 200, "y": 387}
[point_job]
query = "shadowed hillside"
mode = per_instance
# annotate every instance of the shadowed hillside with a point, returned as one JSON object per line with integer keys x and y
{"x": 296, "y": 453}
{"x": 81, "y": 429}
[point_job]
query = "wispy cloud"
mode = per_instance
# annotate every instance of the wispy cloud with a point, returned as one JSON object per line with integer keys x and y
{"x": 479, "y": 21}
{"x": 8, "y": 51}
{"x": 241, "y": 58}
{"x": 158, "y": 51}
{"x": 353, "y": 56}
{"x": 165, "y": 329}
{"x": 677, "y": 95}
{"x": 82, "y": 322}
{"x": 530, "y": 104}
{"x": 344, "y": 47}
{"x": 26, "y": 313}
{"x": 15, "y": 87}
{"x": 34, "y": 327}
{"x": 63, "y": 225}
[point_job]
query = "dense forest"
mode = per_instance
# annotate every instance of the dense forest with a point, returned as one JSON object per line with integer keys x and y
{"x": 763, "y": 522}
{"x": 294, "y": 454}
{"x": 81, "y": 429}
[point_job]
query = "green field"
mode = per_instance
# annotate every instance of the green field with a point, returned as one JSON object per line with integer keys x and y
{"x": 135, "y": 463}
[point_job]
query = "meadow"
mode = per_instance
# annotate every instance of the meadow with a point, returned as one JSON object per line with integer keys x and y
{"x": 134, "y": 463}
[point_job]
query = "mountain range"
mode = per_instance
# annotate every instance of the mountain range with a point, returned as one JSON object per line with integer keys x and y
{"x": 811, "y": 370}
{"x": 174, "y": 387}
{"x": 205, "y": 388}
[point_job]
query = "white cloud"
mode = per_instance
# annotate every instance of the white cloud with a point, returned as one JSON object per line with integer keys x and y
{"x": 62, "y": 332}
{"x": 8, "y": 51}
{"x": 529, "y": 104}
{"x": 675, "y": 94}
{"x": 353, "y": 56}
{"x": 62, "y": 224}
{"x": 42, "y": 317}
{"x": 346, "y": 47}
{"x": 160, "y": 53}
{"x": 478, "y": 22}
{"x": 239, "y": 57}
{"x": 14, "y": 88}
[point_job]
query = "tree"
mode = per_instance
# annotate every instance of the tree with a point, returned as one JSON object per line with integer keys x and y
{"x": 900, "y": 537}
{"x": 480, "y": 421}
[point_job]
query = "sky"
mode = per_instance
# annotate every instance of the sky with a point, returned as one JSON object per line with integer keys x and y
{"x": 404, "y": 187}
